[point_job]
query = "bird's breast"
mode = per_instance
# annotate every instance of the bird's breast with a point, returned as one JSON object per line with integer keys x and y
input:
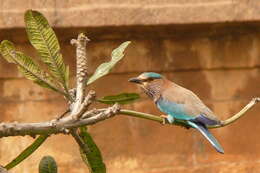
{"x": 152, "y": 91}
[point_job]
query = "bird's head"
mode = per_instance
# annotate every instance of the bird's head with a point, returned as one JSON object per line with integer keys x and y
{"x": 146, "y": 78}
{"x": 150, "y": 82}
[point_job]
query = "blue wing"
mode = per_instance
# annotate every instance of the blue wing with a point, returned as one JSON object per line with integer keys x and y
{"x": 177, "y": 111}
{"x": 182, "y": 103}
{"x": 173, "y": 109}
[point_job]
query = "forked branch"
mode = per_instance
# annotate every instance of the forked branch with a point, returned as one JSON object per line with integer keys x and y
{"x": 55, "y": 126}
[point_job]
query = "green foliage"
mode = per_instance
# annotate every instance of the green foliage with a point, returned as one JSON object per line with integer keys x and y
{"x": 44, "y": 40}
{"x": 7, "y": 50}
{"x": 27, "y": 152}
{"x": 48, "y": 165}
{"x": 94, "y": 159}
{"x": 123, "y": 98}
{"x": 105, "y": 68}
{"x": 25, "y": 65}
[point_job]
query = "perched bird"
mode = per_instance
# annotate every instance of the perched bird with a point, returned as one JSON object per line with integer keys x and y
{"x": 179, "y": 104}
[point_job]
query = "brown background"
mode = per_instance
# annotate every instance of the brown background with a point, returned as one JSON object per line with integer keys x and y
{"x": 209, "y": 46}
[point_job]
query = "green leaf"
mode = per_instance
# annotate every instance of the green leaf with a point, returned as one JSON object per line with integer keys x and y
{"x": 44, "y": 40}
{"x": 123, "y": 98}
{"x": 6, "y": 47}
{"x": 94, "y": 159}
{"x": 48, "y": 165}
{"x": 67, "y": 75}
{"x": 26, "y": 65}
{"x": 105, "y": 68}
{"x": 27, "y": 152}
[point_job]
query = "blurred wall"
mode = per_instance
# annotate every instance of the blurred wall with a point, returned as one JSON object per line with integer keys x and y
{"x": 210, "y": 47}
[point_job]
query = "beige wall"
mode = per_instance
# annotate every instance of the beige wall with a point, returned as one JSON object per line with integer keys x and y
{"x": 220, "y": 62}
{"x": 68, "y": 13}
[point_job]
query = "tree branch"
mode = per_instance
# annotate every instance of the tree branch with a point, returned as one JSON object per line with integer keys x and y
{"x": 64, "y": 124}
{"x": 81, "y": 76}
{"x": 239, "y": 114}
{"x": 57, "y": 126}
{"x": 181, "y": 123}
{"x": 91, "y": 117}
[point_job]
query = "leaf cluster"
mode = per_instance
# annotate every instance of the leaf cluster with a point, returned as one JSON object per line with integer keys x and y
{"x": 51, "y": 72}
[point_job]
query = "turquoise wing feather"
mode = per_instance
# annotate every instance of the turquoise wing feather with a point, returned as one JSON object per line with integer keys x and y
{"x": 175, "y": 110}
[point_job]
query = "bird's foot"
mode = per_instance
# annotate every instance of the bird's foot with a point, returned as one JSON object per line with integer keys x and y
{"x": 164, "y": 119}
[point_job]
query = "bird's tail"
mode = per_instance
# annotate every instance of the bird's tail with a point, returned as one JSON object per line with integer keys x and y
{"x": 207, "y": 135}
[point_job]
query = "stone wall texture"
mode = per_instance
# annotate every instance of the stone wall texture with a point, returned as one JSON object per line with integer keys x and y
{"x": 209, "y": 46}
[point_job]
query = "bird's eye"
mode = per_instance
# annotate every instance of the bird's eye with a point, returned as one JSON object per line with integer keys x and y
{"x": 148, "y": 80}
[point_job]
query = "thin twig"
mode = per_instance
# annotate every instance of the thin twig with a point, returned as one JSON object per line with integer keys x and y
{"x": 86, "y": 103}
{"x": 239, "y": 114}
{"x": 62, "y": 115}
{"x": 161, "y": 120}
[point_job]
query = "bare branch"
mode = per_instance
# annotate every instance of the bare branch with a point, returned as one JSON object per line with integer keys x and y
{"x": 62, "y": 115}
{"x": 80, "y": 44}
{"x": 161, "y": 120}
{"x": 86, "y": 103}
{"x": 57, "y": 126}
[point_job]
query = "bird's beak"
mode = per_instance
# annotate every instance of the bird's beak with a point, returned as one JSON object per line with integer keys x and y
{"x": 135, "y": 80}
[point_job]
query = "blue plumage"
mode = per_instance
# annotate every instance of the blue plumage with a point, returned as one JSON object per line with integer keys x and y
{"x": 204, "y": 131}
{"x": 152, "y": 75}
{"x": 174, "y": 110}
{"x": 177, "y": 111}
{"x": 179, "y": 104}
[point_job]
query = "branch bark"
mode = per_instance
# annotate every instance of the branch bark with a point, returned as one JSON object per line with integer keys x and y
{"x": 81, "y": 76}
{"x": 55, "y": 126}
{"x": 81, "y": 104}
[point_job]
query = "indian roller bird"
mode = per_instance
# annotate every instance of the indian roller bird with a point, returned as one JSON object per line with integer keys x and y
{"x": 180, "y": 104}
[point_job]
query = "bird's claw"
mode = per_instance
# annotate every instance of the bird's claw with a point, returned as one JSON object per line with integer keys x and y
{"x": 164, "y": 117}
